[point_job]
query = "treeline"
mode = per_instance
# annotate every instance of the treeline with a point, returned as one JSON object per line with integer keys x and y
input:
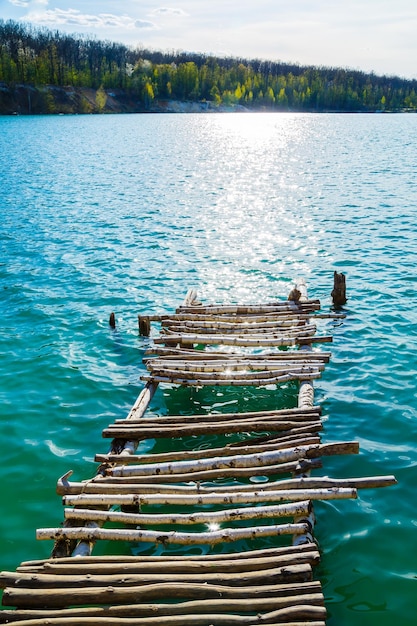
{"x": 38, "y": 57}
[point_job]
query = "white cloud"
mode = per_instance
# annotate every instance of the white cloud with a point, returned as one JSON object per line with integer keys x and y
{"x": 74, "y": 17}
{"x": 145, "y": 25}
{"x": 19, "y": 3}
{"x": 376, "y": 34}
{"x": 168, "y": 11}
{"x": 27, "y": 3}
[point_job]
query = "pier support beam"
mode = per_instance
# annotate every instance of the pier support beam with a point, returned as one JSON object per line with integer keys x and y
{"x": 339, "y": 289}
{"x": 305, "y": 401}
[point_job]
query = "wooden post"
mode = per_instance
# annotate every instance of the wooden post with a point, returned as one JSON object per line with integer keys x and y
{"x": 144, "y": 325}
{"x": 339, "y": 289}
{"x": 112, "y": 320}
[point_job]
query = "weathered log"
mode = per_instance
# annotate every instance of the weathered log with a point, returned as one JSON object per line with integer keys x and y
{"x": 125, "y": 574}
{"x": 124, "y": 583}
{"x": 202, "y": 607}
{"x": 221, "y": 366}
{"x": 249, "y": 370}
{"x": 235, "y": 322}
{"x": 218, "y": 365}
{"x": 244, "y": 309}
{"x": 186, "y": 566}
{"x": 92, "y": 487}
{"x": 210, "y": 517}
{"x": 237, "y": 473}
{"x": 225, "y": 535}
{"x": 249, "y": 318}
{"x": 138, "y": 432}
{"x": 205, "y": 475}
{"x": 142, "y": 402}
{"x": 244, "y": 340}
{"x": 128, "y": 577}
{"x": 112, "y": 320}
{"x": 247, "y": 445}
{"x": 228, "y": 382}
{"x": 291, "y": 313}
{"x": 239, "y": 329}
{"x": 167, "y": 422}
{"x": 290, "y": 616}
{"x": 212, "y": 497}
{"x": 234, "y": 373}
{"x": 197, "y": 355}
{"x": 119, "y": 559}
{"x": 293, "y": 413}
{"x": 239, "y": 460}
{"x": 191, "y": 298}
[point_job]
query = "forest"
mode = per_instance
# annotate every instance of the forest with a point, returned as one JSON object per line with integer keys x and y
{"x": 44, "y": 60}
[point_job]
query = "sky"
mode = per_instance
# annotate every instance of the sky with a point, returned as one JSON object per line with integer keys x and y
{"x": 370, "y": 35}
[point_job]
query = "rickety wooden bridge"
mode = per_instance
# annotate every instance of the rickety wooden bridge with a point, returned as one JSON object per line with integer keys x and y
{"x": 253, "y": 489}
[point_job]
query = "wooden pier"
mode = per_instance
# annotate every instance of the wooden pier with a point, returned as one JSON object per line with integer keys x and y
{"x": 229, "y": 525}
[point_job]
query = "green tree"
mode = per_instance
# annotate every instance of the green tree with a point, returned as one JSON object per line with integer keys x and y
{"x": 101, "y": 99}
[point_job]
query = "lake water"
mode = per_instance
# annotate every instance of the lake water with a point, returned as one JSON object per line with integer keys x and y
{"x": 123, "y": 214}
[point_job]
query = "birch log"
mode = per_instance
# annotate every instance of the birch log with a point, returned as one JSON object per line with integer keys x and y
{"x": 65, "y": 487}
{"x": 212, "y": 497}
{"x": 225, "y": 535}
{"x": 211, "y": 517}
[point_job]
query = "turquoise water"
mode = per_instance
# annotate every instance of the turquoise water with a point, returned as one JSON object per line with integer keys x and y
{"x": 123, "y": 214}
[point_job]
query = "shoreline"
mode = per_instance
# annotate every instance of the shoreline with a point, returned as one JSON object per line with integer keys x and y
{"x": 51, "y": 100}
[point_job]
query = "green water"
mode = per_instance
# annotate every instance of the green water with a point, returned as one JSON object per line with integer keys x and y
{"x": 123, "y": 214}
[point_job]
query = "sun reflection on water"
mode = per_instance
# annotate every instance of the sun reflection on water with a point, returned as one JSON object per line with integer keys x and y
{"x": 257, "y": 227}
